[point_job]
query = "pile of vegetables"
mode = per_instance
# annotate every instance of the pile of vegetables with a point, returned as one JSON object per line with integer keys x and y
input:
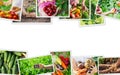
{"x": 9, "y": 15}
{"x": 80, "y": 9}
{"x": 95, "y": 19}
{"x": 110, "y": 8}
{"x": 61, "y": 62}
{"x": 8, "y": 61}
{"x": 27, "y": 66}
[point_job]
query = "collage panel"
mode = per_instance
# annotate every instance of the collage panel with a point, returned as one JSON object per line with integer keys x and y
{"x": 84, "y": 65}
{"x": 79, "y": 9}
{"x": 10, "y": 9}
{"x": 49, "y": 8}
{"x": 29, "y": 12}
{"x": 62, "y": 63}
{"x": 35, "y": 66}
{"x": 95, "y": 19}
{"x": 109, "y": 65}
{"x": 109, "y": 8}
{"x": 8, "y": 61}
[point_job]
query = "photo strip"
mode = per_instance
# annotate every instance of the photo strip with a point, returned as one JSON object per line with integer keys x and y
{"x": 29, "y": 13}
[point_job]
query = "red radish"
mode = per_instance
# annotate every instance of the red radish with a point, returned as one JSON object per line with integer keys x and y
{"x": 50, "y": 9}
{"x": 98, "y": 8}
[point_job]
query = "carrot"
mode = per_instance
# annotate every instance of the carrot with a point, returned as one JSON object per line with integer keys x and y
{"x": 77, "y": 15}
{"x": 58, "y": 73}
{"x": 63, "y": 65}
{"x": 54, "y": 73}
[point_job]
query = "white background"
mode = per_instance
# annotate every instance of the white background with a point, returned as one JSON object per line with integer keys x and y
{"x": 39, "y": 39}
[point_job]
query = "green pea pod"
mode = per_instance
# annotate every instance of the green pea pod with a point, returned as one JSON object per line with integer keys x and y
{"x": 18, "y": 53}
{"x": 5, "y": 56}
{"x": 2, "y": 51}
{"x": 2, "y": 56}
{"x": 11, "y": 63}
{"x": 9, "y": 57}
{"x": 1, "y": 63}
{"x": 15, "y": 69}
{"x": 9, "y": 71}
{"x": 6, "y": 68}
{"x": 3, "y": 70}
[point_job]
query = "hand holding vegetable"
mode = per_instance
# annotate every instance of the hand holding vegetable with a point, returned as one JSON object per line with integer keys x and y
{"x": 112, "y": 11}
{"x": 74, "y": 2}
{"x": 84, "y": 8}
